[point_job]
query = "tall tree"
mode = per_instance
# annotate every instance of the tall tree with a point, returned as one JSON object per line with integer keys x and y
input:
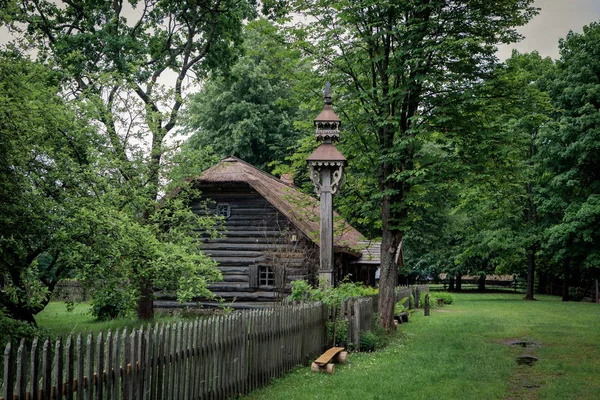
{"x": 64, "y": 215}
{"x": 252, "y": 111}
{"x": 132, "y": 72}
{"x": 400, "y": 61}
{"x": 46, "y": 154}
{"x": 569, "y": 151}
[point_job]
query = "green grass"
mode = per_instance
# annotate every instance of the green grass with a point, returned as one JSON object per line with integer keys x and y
{"x": 56, "y": 320}
{"x": 461, "y": 352}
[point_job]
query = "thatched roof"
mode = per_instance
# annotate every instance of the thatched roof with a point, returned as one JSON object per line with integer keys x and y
{"x": 300, "y": 209}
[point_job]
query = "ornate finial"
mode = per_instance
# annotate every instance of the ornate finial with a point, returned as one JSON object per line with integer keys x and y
{"x": 327, "y": 93}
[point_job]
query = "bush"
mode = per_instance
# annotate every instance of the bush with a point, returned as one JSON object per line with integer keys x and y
{"x": 369, "y": 341}
{"x": 341, "y": 332}
{"x": 375, "y": 339}
{"x": 445, "y": 296}
{"x": 400, "y": 307}
{"x": 112, "y": 302}
{"x": 13, "y": 330}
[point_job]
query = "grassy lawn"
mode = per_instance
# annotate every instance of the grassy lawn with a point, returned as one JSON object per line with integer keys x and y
{"x": 462, "y": 352}
{"x": 57, "y": 320}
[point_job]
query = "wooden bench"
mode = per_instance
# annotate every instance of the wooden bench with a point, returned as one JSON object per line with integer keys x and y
{"x": 401, "y": 317}
{"x": 325, "y": 363}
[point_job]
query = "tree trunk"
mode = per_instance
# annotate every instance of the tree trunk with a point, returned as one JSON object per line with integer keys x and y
{"x": 20, "y": 311}
{"x": 451, "y": 284}
{"x": 565, "y": 291}
{"x": 542, "y": 282}
{"x": 530, "y": 273}
{"x": 388, "y": 275}
{"x": 387, "y": 281}
{"x": 481, "y": 283}
{"x": 145, "y": 308}
{"x": 458, "y": 282}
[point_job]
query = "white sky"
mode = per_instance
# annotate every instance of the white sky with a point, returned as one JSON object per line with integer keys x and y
{"x": 554, "y": 21}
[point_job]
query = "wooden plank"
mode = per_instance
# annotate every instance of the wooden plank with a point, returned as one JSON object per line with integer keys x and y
{"x": 178, "y": 366}
{"x": 160, "y": 357}
{"x": 173, "y": 358}
{"x": 58, "y": 368}
{"x": 115, "y": 365}
{"x": 230, "y": 359}
{"x": 131, "y": 365}
{"x": 152, "y": 363}
{"x": 46, "y": 370}
{"x": 218, "y": 378}
{"x": 99, "y": 367}
{"x": 80, "y": 367}
{"x": 167, "y": 368}
{"x": 69, "y": 368}
{"x": 251, "y": 371}
{"x": 125, "y": 365}
{"x": 213, "y": 359}
{"x": 89, "y": 392}
{"x": 34, "y": 372}
{"x": 193, "y": 381}
{"x": 9, "y": 372}
{"x": 201, "y": 366}
{"x": 145, "y": 366}
{"x": 111, "y": 377}
{"x": 21, "y": 381}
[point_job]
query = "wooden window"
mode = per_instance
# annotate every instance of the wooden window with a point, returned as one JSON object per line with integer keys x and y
{"x": 266, "y": 277}
{"x": 224, "y": 210}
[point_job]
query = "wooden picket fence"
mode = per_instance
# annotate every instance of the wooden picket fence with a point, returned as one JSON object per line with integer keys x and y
{"x": 217, "y": 357}
{"x": 359, "y": 312}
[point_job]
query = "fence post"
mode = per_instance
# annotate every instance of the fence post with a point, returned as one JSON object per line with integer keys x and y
{"x": 8, "y": 377}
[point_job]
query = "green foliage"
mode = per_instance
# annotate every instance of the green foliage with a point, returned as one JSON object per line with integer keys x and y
{"x": 400, "y": 306}
{"x": 112, "y": 302}
{"x": 369, "y": 341}
{"x": 445, "y": 296}
{"x": 411, "y": 302}
{"x": 405, "y": 75}
{"x": 569, "y": 156}
{"x": 375, "y": 339}
{"x": 341, "y": 332}
{"x": 13, "y": 330}
{"x": 332, "y": 296}
{"x": 112, "y": 69}
{"x": 251, "y": 112}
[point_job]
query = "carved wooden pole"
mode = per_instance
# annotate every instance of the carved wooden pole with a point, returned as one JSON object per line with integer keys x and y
{"x": 326, "y": 172}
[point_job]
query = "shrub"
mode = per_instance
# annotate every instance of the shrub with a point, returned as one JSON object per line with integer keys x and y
{"x": 399, "y": 306}
{"x": 445, "y": 296}
{"x": 375, "y": 339}
{"x": 341, "y": 332}
{"x": 368, "y": 341}
{"x": 112, "y": 302}
{"x": 13, "y": 330}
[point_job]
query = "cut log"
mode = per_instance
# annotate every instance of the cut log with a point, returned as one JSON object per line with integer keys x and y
{"x": 341, "y": 357}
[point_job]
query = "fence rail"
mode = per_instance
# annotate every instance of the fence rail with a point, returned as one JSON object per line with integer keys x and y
{"x": 213, "y": 358}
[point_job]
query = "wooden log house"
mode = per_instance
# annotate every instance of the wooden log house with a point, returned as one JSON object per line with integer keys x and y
{"x": 270, "y": 235}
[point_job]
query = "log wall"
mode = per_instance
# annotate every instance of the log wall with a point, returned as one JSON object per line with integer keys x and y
{"x": 254, "y": 236}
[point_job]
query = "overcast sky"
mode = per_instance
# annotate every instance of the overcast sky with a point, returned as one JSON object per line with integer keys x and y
{"x": 554, "y": 21}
